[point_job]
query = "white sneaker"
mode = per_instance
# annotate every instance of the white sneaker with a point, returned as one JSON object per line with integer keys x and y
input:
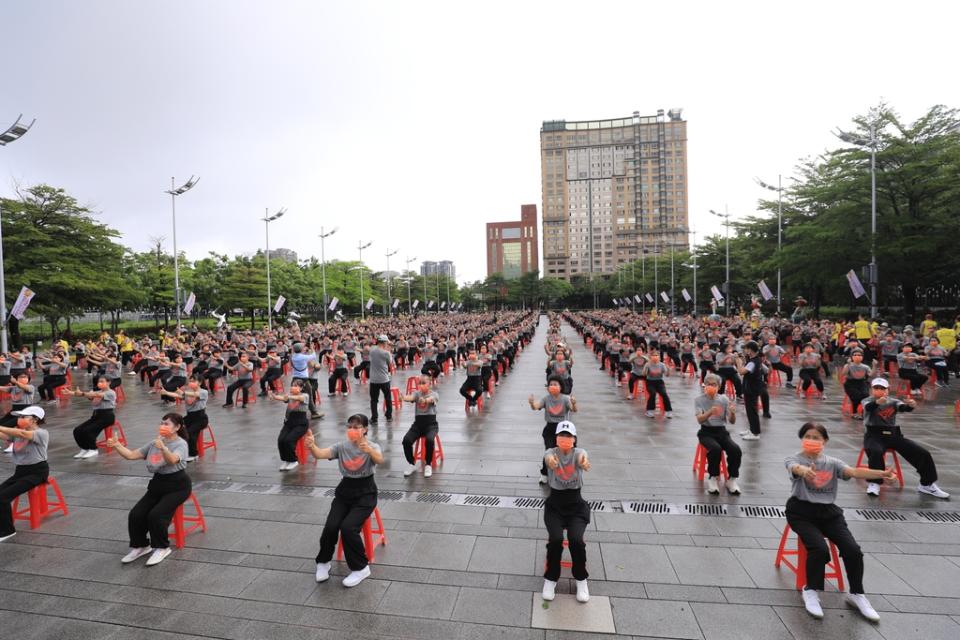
{"x": 81, "y": 454}
{"x": 411, "y": 469}
{"x": 669, "y": 414}
{"x": 292, "y": 465}
{"x": 8, "y": 449}
{"x": 136, "y": 552}
{"x": 283, "y": 466}
{"x": 649, "y": 414}
{"x": 873, "y": 489}
{"x": 323, "y": 571}
{"x": 427, "y": 471}
{"x": 860, "y": 601}
{"x": 750, "y": 436}
{"x": 158, "y": 556}
{"x": 733, "y": 487}
{"x": 933, "y": 490}
{"x": 583, "y": 594}
{"x": 92, "y": 453}
{"x": 811, "y": 601}
{"x": 712, "y": 487}
{"x": 7, "y": 537}
{"x": 745, "y": 433}
{"x": 549, "y": 590}
{"x": 543, "y": 479}
{"x": 191, "y": 458}
{"x": 356, "y": 577}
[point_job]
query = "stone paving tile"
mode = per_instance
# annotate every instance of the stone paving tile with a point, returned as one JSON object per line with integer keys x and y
{"x": 419, "y": 600}
{"x": 439, "y": 551}
{"x": 922, "y": 604}
{"x": 691, "y": 593}
{"x": 735, "y": 622}
{"x": 491, "y": 606}
{"x": 463, "y": 579}
{"x": 366, "y": 596}
{"x": 631, "y": 563}
{"x": 503, "y": 555}
{"x": 280, "y": 586}
{"x": 568, "y": 614}
{"x": 708, "y": 567}
{"x": 659, "y": 618}
{"x": 844, "y": 624}
{"x": 928, "y": 575}
{"x": 624, "y": 522}
{"x": 913, "y": 626}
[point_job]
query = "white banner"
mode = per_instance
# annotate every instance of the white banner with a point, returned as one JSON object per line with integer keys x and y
{"x": 616, "y": 302}
{"x": 855, "y": 286}
{"x": 648, "y": 297}
{"x": 333, "y": 303}
{"x": 191, "y": 300}
{"x": 686, "y": 295}
{"x": 396, "y": 301}
{"x": 716, "y": 293}
{"x": 280, "y": 302}
{"x": 415, "y": 303}
{"x": 664, "y": 296}
{"x": 20, "y": 306}
{"x": 459, "y": 306}
{"x": 764, "y": 290}
{"x": 369, "y": 304}
{"x": 636, "y": 297}
{"x": 443, "y": 305}
{"x": 430, "y": 304}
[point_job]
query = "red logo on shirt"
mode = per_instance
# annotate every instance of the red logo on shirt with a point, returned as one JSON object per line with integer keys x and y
{"x": 887, "y": 412}
{"x": 823, "y": 477}
{"x": 19, "y": 445}
{"x": 354, "y": 464}
{"x": 565, "y": 472}
{"x": 156, "y": 459}
{"x": 423, "y": 404}
{"x": 555, "y": 410}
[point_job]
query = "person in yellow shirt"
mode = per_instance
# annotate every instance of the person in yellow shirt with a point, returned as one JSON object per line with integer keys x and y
{"x": 928, "y": 326}
{"x": 864, "y": 333}
{"x": 948, "y": 340}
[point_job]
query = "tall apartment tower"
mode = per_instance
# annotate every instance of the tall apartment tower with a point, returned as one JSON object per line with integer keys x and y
{"x": 613, "y": 190}
{"x": 512, "y": 246}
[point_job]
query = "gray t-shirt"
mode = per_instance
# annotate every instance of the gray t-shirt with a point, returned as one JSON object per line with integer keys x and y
{"x": 568, "y": 475}
{"x": 107, "y": 402}
{"x": 773, "y": 353}
{"x": 424, "y": 408}
{"x": 885, "y": 415}
{"x": 353, "y": 463}
{"x": 556, "y": 408}
{"x": 823, "y": 489}
{"x": 155, "y": 461}
{"x": 297, "y": 404}
{"x": 198, "y": 402}
{"x": 379, "y": 365}
{"x": 244, "y": 370}
{"x": 31, "y": 451}
{"x": 704, "y": 403}
{"x": 25, "y": 395}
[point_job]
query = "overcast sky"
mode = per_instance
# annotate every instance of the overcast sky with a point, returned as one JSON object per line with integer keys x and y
{"x": 412, "y": 124}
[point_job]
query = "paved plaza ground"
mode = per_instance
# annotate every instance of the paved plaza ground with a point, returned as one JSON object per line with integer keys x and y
{"x": 465, "y": 549}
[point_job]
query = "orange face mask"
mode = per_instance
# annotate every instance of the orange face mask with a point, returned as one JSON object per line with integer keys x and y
{"x": 165, "y": 431}
{"x": 813, "y": 447}
{"x": 354, "y": 435}
{"x": 565, "y": 443}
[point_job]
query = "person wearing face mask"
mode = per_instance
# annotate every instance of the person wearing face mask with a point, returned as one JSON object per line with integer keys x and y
{"x": 244, "y": 370}
{"x": 882, "y": 433}
{"x": 754, "y": 389}
{"x": 295, "y": 423}
{"x": 169, "y": 488}
{"x": 353, "y": 501}
{"x": 809, "y": 362}
{"x": 104, "y": 401}
{"x": 566, "y": 509}
{"x": 54, "y": 376}
{"x": 424, "y": 426}
{"x": 196, "y": 420}
{"x": 855, "y": 376}
{"x": 713, "y": 410}
{"x": 654, "y": 372}
{"x": 557, "y": 407}
{"x": 22, "y": 395}
{"x": 472, "y": 386}
{"x": 813, "y": 516}
{"x": 29, "y": 443}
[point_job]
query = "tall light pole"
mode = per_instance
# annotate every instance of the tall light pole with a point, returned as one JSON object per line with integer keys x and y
{"x": 14, "y": 132}
{"x": 323, "y": 268}
{"x": 360, "y": 268}
{"x": 174, "y": 192}
{"x": 409, "y": 302}
{"x": 726, "y": 223}
{"x": 779, "y": 190}
{"x": 360, "y": 248}
{"x": 267, "y": 219}
{"x": 389, "y": 295}
{"x": 407, "y": 280}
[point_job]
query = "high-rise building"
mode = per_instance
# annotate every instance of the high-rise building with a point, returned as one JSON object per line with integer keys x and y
{"x": 287, "y": 255}
{"x": 444, "y": 268}
{"x": 613, "y": 190}
{"x": 512, "y": 246}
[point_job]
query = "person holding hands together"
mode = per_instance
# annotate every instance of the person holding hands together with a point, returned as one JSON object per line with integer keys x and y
{"x": 713, "y": 410}
{"x": 557, "y": 407}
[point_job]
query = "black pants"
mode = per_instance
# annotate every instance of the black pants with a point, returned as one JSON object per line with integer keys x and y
{"x": 338, "y": 374}
{"x": 706, "y": 366}
{"x": 811, "y": 376}
{"x": 244, "y": 386}
{"x": 48, "y": 390}
{"x": 153, "y": 513}
{"x": 549, "y": 442}
{"x": 86, "y": 434}
{"x": 716, "y": 440}
{"x": 727, "y": 373}
{"x": 425, "y": 427}
{"x": 363, "y": 366}
{"x": 878, "y": 439}
{"x": 656, "y": 387}
{"x": 472, "y": 383}
{"x": 195, "y": 422}
{"x": 486, "y": 372}
{"x": 779, "y": 366}
{"x": 160, "y": 374}
{"x": 293, "y": 429}
{"x": 687, "y": 360}
{"x": 566, "y": 510}
{"x": 812, "y": 522}
{"x": 10, "y": 420}
{"x": 750, "y": 408}
{"x": 942, "y": 371}
{"x": 353, "y": 502}
{"x": 638, "y": 380}
{"x": 375, "y": 389}
{"x": 210, "y": 378}
{"x": 430, "y": 368}
{"x": 266, "y": 382}
{"x": 172, "y": 384}
{"x": 312, "y": 387}
{"x": 857, "y": 391}
{"x": 24, "y": 478}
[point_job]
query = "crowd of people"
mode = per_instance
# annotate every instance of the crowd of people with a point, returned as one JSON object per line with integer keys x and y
{"x": 734, "y": 360}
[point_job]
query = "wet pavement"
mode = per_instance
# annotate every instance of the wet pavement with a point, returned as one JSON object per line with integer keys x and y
{"x": 465, "y": 548}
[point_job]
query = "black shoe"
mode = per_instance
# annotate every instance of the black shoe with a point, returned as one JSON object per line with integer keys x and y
{"x": 229, "y": 404}
{"x": 316, "y": 416}
{"x": 389, "y": 418}
{"x": 262, "y": 394}
{"x": 767, "y": 415}
{"x": 374, "y": 421}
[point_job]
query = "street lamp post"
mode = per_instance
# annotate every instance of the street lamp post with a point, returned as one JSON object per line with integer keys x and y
{"x": 726, "y": 223}
{"x": 323, "y": 268}
{"x": 174, "y": 192}
{"x": 779, "y": 190}
{"x": 360, "y": 248}
{"x": 389, "y": 295}
{"x": 409, "y": 301}
{"x": 13, "y": 132}
{"x": 267, "y": 219}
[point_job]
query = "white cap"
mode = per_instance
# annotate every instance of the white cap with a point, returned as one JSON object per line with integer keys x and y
{"x": 880, "y": 382}
{"x": 566, "y": 427}
{"x": 37, "y": 412}
{"x": 383, "y": 338}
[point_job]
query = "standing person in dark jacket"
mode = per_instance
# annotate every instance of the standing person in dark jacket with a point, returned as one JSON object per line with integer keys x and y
{"x": 754, "y": 389}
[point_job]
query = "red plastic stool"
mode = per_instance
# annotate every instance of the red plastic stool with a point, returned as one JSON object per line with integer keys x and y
{"x": 202, "y": 444}
{"x": 180, "y": 522}
{"x": 108, "y": 433}
{"x": 277, "y": 385}
{"x": 956, "y": 409}
{"x": 730, "y": 390}
{"x": 39, "y": 505}
{"x": 833, "y": 571}
{"x": 466, "y": 403}
{"x": 218, "y": 382}
{"x": 121, "y": 394}
{"x": 63, "y": 395}
{"x": 811, "y": 392}
{"x": 905, "y": 389}
{"x": 363, "y": 376}
{"x": 639, "y": 387}
{"x": 564, "y": 564}
{"x": 774, "y": 378}
{"x": 888, "y": 452}
{"x": 700, "y": 463}
{"x": 420, "y": 450}
{"x": 251, "y": 395}
{"x": 301, "y": 450}
{"x": 412, "y": 383}
{"x": 846, "y": 408}
{"x": 340, "y": 383}
{"x": 368, "y": 532}
{"x": 394, "y": 399}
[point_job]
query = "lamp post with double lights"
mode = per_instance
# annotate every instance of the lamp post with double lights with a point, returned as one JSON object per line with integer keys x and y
{"x": 389, "y": 295}
{"x": 14, "y": 132}
{"x": 779, "y": 190}
{"x": 726, "y": 223}
{"x": 323, "y": 268}
{"x": 360, "y": 248}
{"x": 174, "y": 192}
{"x": 361, "y": 269}
{"x": 267, "y": 219}
{"x": 409, "y": 279}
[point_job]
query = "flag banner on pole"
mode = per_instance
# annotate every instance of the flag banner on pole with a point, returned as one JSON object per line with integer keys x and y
{"x": 280, "y": 302}
{"x": 716, "y": 293}
{"x": 333, "y": 303}
{"x": 369, "y": 304}
{"x": 636, "y": 297}
{"x": 764, "y": 290}
{"x": 191, "y": 300}
{"x": 430, "y": 304}
{"x": 649, "y": 297}
{"x": 415, "y": 303}
{"x": 459, "y": 306}
{"x": 855, "y": 286}
{"x": 396, "y": 302}
{"x": 686, "y": 295}
{"x": 616, "y": 302}
{"x": 443, "y": 304}
{"x": 666, "y": 298}
{"x": 23, "y": 301}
